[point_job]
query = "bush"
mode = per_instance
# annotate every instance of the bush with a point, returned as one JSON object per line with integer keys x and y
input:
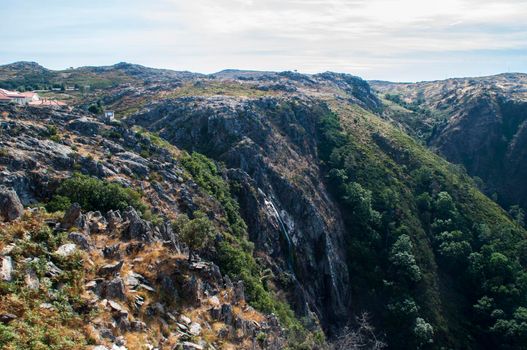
{"x": 196, "y": 233}
{"x": 403, "y": 258}
{"x": 94, "y": 194}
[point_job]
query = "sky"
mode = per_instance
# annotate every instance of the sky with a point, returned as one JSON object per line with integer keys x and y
{"x": 397, "y": 40}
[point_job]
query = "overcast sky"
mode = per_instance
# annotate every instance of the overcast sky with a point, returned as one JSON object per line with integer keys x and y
{"x": 400, "y": 40}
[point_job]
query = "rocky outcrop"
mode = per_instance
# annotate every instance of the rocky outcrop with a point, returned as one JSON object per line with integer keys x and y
{"x": 10, "y": 206}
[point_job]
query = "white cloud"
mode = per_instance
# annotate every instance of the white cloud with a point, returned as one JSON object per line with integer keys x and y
{"x": 365, "y": 37}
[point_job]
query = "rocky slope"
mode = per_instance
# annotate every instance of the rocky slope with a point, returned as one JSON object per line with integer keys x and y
{"x": 111, "y": 279}
{"x": 477, "y": 122}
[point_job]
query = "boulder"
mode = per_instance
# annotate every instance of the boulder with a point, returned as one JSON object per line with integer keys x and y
{"x": 111, "y": 269}
{"x": 184, "y": 319}
{"x": 227, "y": 314}
{"x": 6, "y": 270}
{"x": 10, "y": 206}
{"x": 137, "y": 228}
{"x": 194, "y": 329}
{"x": 71, "y": 217}
{"x": 192, "y": 290}
{"x": 80, "y": 239}
{"x": 112, "y": 252}
{"x": 66, "y": 250}
{"x": 114, "y": 289}
{"x": 85, "y": 126}
{"x": 52, "y": 270}
{"x": 6, "y": 318}
{"x": 114, "y": 219}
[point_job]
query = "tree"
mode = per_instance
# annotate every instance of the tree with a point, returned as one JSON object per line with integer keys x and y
{"x": 360, "y": 201}
{"x": 402, "y": 257}
{"x": 196, "y": 233}
{"x": 453, "y": 248}
{"x": 423, "y": 331}
{"x": 445, "y": 207}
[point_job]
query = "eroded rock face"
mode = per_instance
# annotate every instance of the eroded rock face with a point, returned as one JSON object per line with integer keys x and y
{"x": 10, "y": 206}
{"x": 270, "y": 147}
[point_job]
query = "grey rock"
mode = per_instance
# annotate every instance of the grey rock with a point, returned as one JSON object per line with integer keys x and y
{"x": 52, "y": 270}
{"x": 95, "y": 222}
{"x": 239, "y": 292}
{"x": 137, "y": 228}
{"x": 66, "y": 250}
{"x": 112, "y": 252}
{"x": 111, "y": 269}
{"x": 85, "y": 126}
{"x": 106, "y": 333}
{"x": 6, "y": 318}
{"x": 10, "y": 206}
{"x": 115, "y": 306}
{"x": 215, "y": 313}
{"x": 194, "y": 329}
{"x": 114, "y": 219}
{"x": 190, "y": 346}
{"x": 227, "y": 314}
{"x": 114, "y": 289}
{"x": 71, "y": 217}
{"x": 131, "y": 280}
{"x": 80, "y": 239}
{"x": 6, "y": 270}
{"x": 100, "y": 347}
{"x": 192, "y": 290}
{"x": 137, "y": 326}
{"x": 184, "y": 319}
{"x": 228, "y": 282}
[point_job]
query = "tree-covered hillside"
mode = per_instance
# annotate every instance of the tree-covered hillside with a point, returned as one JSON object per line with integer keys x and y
{"x": 439, "y": 263}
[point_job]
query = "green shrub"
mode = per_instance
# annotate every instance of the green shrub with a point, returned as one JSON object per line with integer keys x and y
{"x": 94, "y": 194}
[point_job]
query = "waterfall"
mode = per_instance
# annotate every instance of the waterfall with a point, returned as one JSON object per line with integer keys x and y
{"x": 270, "y": 205}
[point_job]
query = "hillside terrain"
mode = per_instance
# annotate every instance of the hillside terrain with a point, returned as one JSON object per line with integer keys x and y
{"x": 247, "y": 210}
{"x": 477, "y": 122}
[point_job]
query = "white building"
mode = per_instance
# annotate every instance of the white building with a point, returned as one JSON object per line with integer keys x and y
{"x": 109, "y": 116}
{"x": 21, "y": 98}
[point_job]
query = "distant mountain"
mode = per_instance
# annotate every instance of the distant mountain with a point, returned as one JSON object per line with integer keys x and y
{"x": 30, "y": 75}
{"x": 480, "y": 123}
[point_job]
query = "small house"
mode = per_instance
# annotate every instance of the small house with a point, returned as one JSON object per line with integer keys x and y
{"x": 109, "y": 116}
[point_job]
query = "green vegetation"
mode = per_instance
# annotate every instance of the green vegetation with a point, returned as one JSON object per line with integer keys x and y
{"x": 417, "y": 227}
{"x": 234, "y": 253}
{"x": 206, "y": 174}
{"x": 96, "y": 108}
{"x": 196, "y": 233}
{"x": 94, "y": 194}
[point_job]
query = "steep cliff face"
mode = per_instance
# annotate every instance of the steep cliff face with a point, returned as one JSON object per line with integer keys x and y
{"x": 272, "y": 145}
